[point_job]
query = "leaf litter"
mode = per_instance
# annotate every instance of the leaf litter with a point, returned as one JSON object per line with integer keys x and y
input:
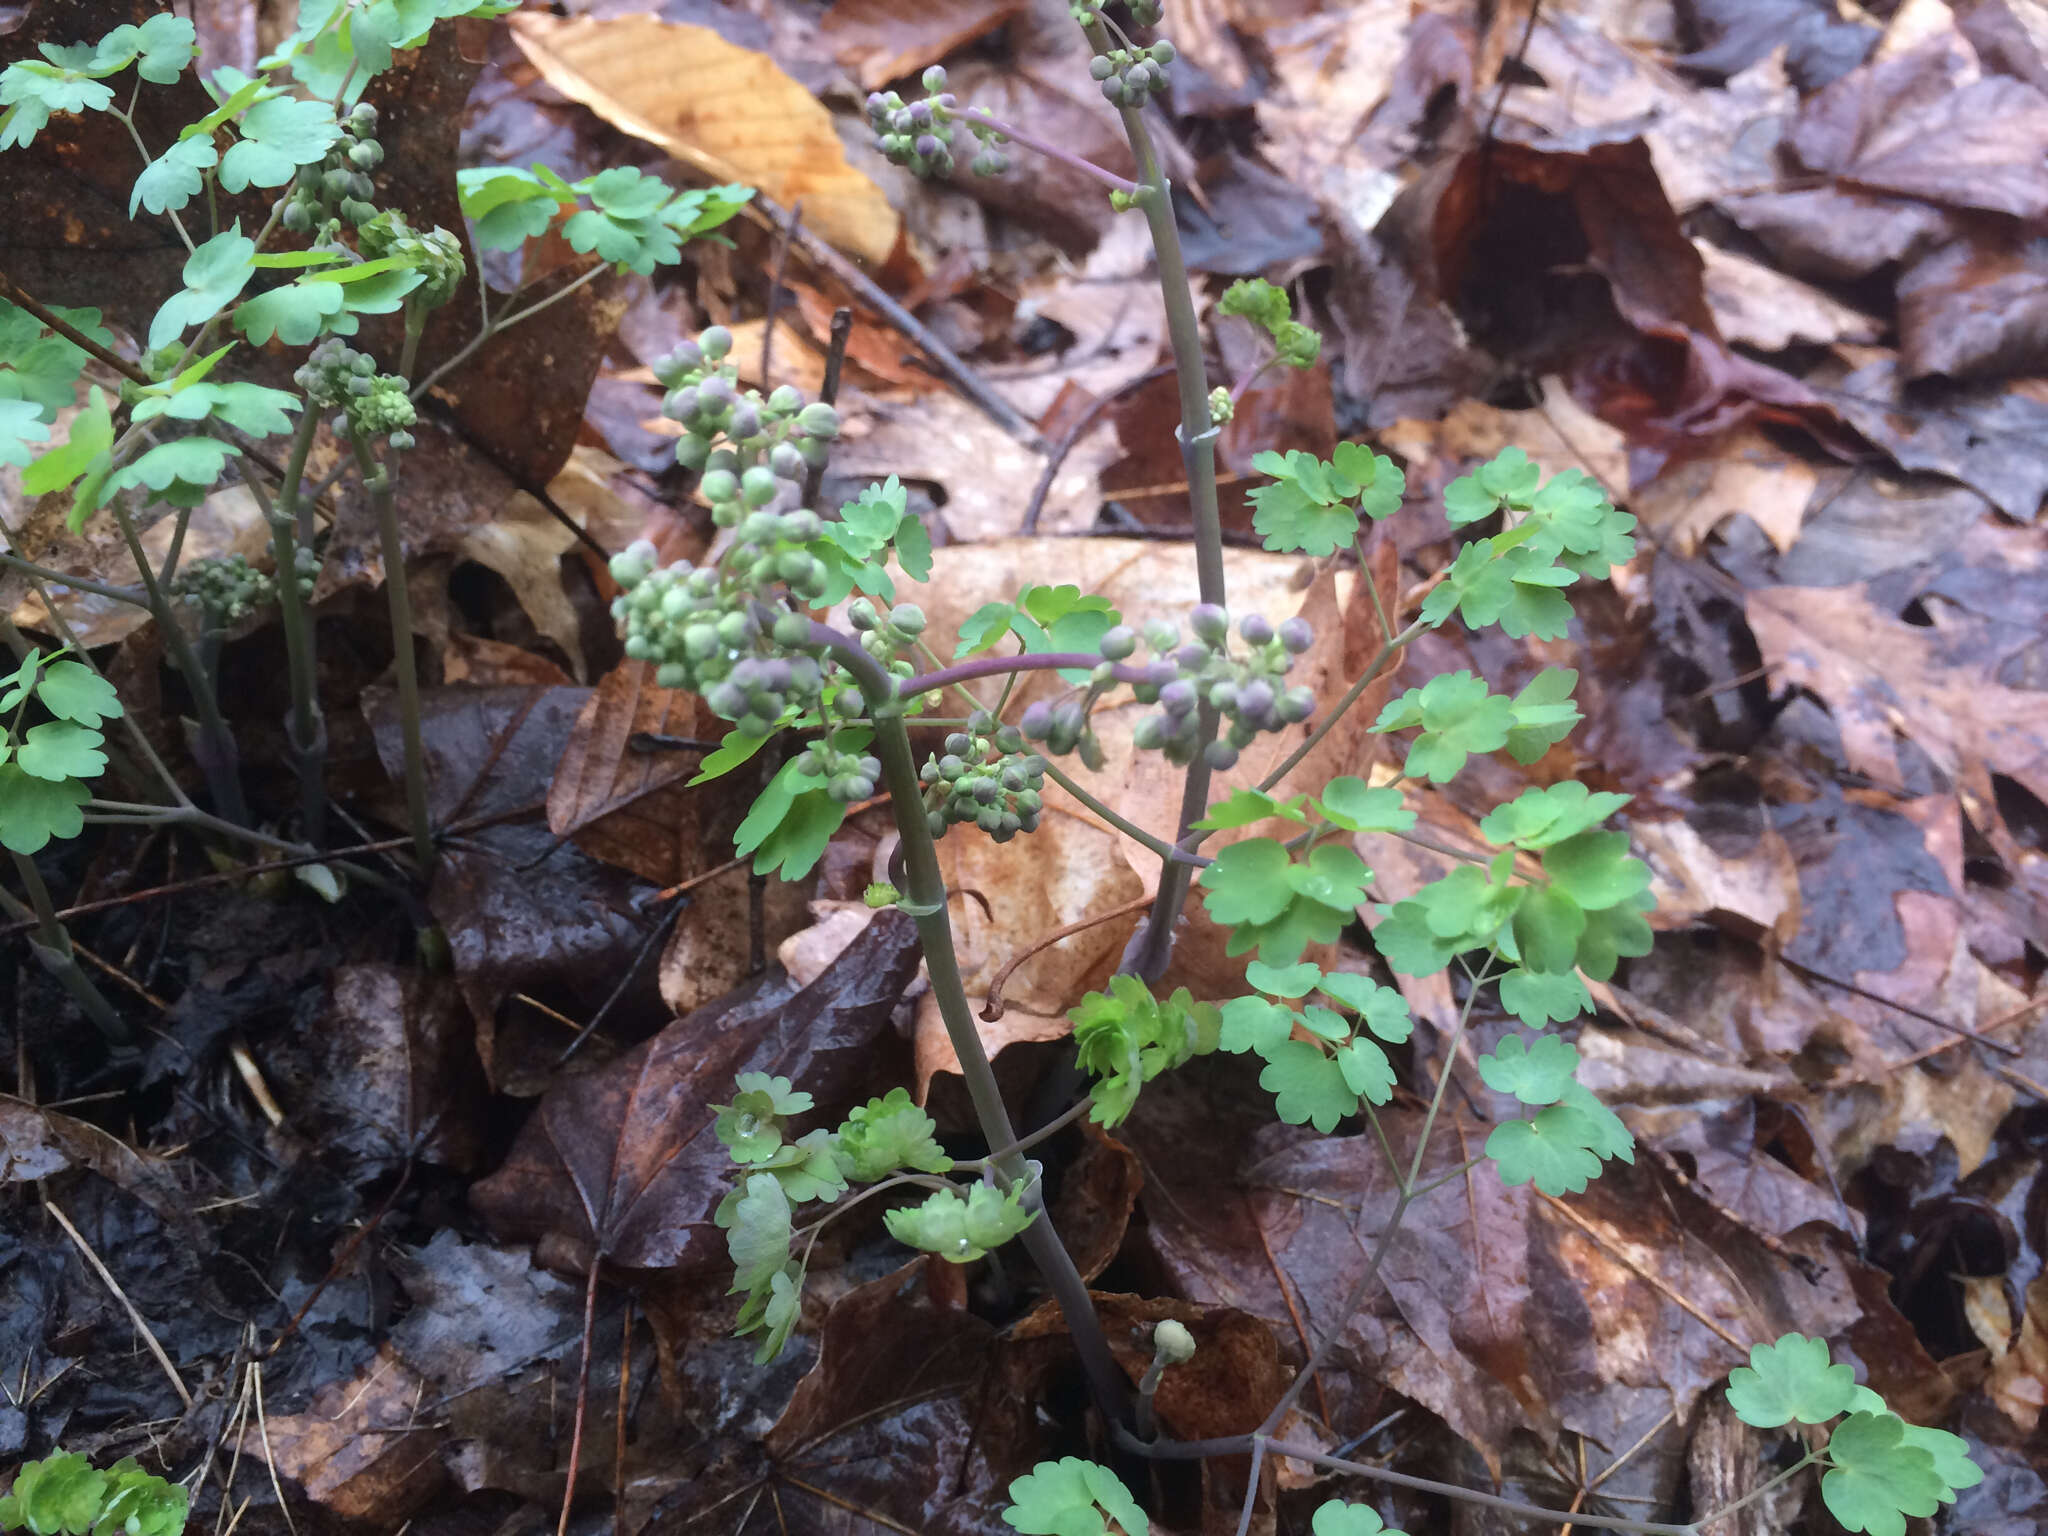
{"x": 1766, "y": 272}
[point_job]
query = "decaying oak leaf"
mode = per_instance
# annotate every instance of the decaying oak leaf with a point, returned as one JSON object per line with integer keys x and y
{"x": 727, "y": 111}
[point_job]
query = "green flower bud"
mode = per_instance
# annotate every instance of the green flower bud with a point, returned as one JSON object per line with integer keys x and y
{"x": 715, "y": 341}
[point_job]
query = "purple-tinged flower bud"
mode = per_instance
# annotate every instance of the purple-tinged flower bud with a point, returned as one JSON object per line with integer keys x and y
{"x": 1178, "y": 697}
{"x": 1297, "y": 704}
{"x": 1210, "y": 622}
{"x": 1255, "y": 698}
{"x": 1256, "y": 628}
{"x": 1220, "y": 756}
{"x": 1160, "y": 673}
{"x": 928, "y": 146}
{"x": 1297, "y": 635}
{"x": 1036, "y": 721}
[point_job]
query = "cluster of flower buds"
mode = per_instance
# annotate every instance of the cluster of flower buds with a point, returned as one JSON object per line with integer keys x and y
{"x": 768, "y": 439}
{"x": 919, "y": 135}
{"x": 226, "y": 588}
{"x": 373, "y": 404}
{"x": 850, "y": 777}
{"x": 436, "y": 255}
{"x": 338, "y": 186}
{"x": 885, "y": 636}
{"x": 1246, "y": 689}
{"x": 1130, "y": 77}
{"x": 987, "y": 777}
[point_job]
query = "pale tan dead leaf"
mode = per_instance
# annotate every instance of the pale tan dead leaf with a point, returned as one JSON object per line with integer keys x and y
{"x": 1988, "y": 1311}
{"x": 729, "y": 112}
{"x": 2019, "y": 1377}
{"x": 1761, "y": 307}
{"x": 1331, "y": 69}
{"x": 986, "y": 474}
{"x": 882, "y": 40}
{"x": 362, "y": 1448}
{"x": 1750, "y": 475}
{"x": 227, "y": 522}
{"x": 477, "y": 662}
{"x": 1758, "y": 886}
{"x": 1559, "y": 435}
{"x": 708, "y": 953}
{"x": 524, "y": 544}
{"x": 808, "y": 953}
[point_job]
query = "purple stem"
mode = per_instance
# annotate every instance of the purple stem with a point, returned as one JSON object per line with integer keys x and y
{"x": 1109, "y": 179}
{"x": 999, "y": 666}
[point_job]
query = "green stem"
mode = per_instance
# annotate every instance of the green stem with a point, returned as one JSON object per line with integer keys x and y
{"x": 218, "y": 757}
{"x": 415, "y": 327}
{"x": 926, "y": 888}
{"x": 384, "y": 498}
{"x": 1761, "y": 1489}
{"x": 1152, "y": 947}
{"x": 52, "y": 948}
{"x": 504, "y": 323}
{"x": 1351, "y": 696}
{"x": 1129, "y": 828}
{"x": 306, "y": 729}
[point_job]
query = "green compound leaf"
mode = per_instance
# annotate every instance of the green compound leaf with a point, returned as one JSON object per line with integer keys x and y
{"x": 1248, "y": 882}
{"x": 1284, "y": 980}
{"x": 1544, "y": 714}
{"x": 60, "y": 1493}
{"x": 1595, "y": 870}
{"x": 1538, "y": 818}
{"x": 61, "y": 749}
{"x": 138, "y": 1503}
{"x": 277, "y": 137}
{"x": 1255, "y": 1024}
{"x": 1559, "y": 1149}
{"x": 508, "y": 206}
{"x": 1282, "y": 940}
{"x": 807, "y": 1168}
{"x": 1467, "y": 908}
{"x": 1537, "y": 999}
{"x": 774, "y": 1312}
{"x": 92, "y": 434}
{"x": 1305, "y": 508}
{"x": 73, "y": 691}
{"x": 1620, "y": 930}
{"x": 982, "y": 629}
{"x": 1458, "y": 717}
{"x": 18, "y": 684}
{"x": 1951, "y": 1453}
{"x": 251, "y": 408}
{"x": 1408, "y": 944}
{"x": 1878, "y": 1477}
{"x": 734, "y": 748}
{"x": 21, "y": 423}
{"x": 1071, "y": 1497}
{"x": 1577, "y": 526}
{"x": 180, "y": 470}
{"x": 1547, "y": 928}
{"x": 1382, "y": 1010}
{"x": 1508, "y": 479}
{"x": 1245, "y": 806}
{"x": 1336, "y": 1518}
{"x": 1492, "y": 582}
{"x": 1793, "y": 1379}
{"x": 1534, "y": 1073}
{"x": 1126, "y": 1037}
{"x": 1063, "y": 618}
{"x": 1606, "y": 1134}
{"x": 751, "y": 1125}
{"x": 173, "y": 179}
{"x": 1308, "y": 1087}
{"x": 759, "y": 1235}
{"x": 215, "y": 274}
{"x": 1367, "y": 1072}
{"x": 33, "y": 810}
{"x": 889, "y": 1133}
{"x": 1350, "y": 804}
{"x": 793, "y": 818}
{"x": 1332, "y": 875}
{"x": 958, "y": 1230}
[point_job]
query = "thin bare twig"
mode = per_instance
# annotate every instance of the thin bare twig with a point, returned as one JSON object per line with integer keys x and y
{"x": 1083, "y": 424}
{"x": 113, "y": 1285}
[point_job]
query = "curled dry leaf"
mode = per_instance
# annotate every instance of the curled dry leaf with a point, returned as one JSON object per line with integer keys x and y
{"x": 362, "y": 1449}
{"x": 883, "y": 40}
{"x": 728, "y": 112}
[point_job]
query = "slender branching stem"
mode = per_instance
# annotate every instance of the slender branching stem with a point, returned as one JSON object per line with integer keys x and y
{"x": 218, "y": 757}
{"x": 52, "y": 948}
{"x": 384, "y": 500}
{"x": 1052, "y": 152}
{"x": 998, "y": 666}
{"x": 1123, "y": 824}
{"x": 926, "y": 890}
{"x": 134, "y": 596}
{"x": 306, "y": 729}
{"x": 1352, "y": 695}
{"x": 1809, "y": 1459}
{"x": 502, "y": 324}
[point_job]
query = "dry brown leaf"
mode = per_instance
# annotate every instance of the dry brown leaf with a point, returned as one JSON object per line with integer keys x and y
{"x": 1759, "y": 306}
{"x": 727, "y": 111}
{"x": 1560, "y": 434}
{"x": 1883, "y": 679}
{"x": 1331, "y": 69}
{"x": 524, "y": 544}
{"x": 710, "y": 950}
{"x": 883, "y": 40}
{"x": 1691, "y": 878}
{"x": 1750, "y": 475}
{"x": 2019, "y": 1377}
{"x": 477, "y": 662}
{"x": 630, "y": 808}
{"x": 361, "y": 1449}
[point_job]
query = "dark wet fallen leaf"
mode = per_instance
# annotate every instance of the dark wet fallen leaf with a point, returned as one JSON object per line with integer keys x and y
{"x": 388, "y": 1073}
{"x": 1976, "y": 307}
{"x": 478, "y": 1312}
{"x": 627, "y": 806}
{"x": 1096, "y": 1196}
{"x": 1915, "y": 124}
{"x": 1837, "y": 233}
{"x": 1733, "y": 34}
{"x": 622, "y": 1162}
{"x": 1253, "y": 221}
{"x": 38, "y": 1143}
